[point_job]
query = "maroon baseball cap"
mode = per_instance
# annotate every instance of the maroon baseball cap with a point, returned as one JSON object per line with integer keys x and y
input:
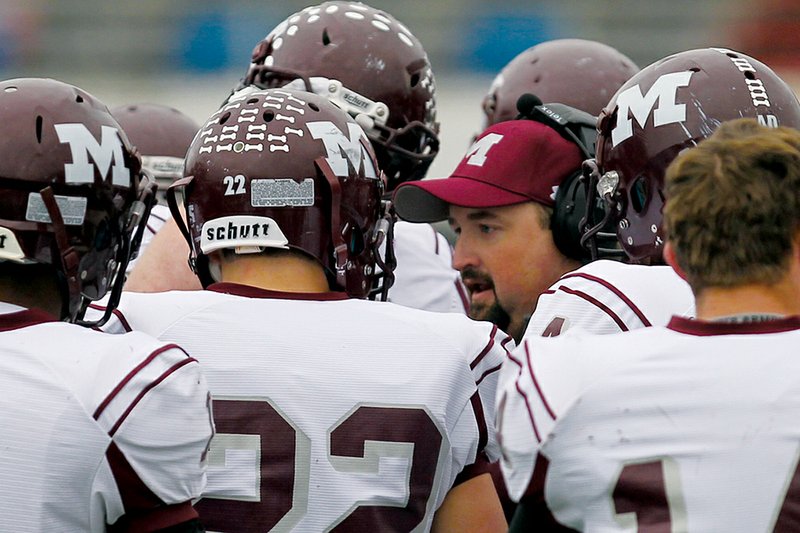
{"x": 509, "y": 163}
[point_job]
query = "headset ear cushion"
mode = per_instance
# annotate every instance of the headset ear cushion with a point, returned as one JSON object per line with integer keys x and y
{"x": 569, "y": 209}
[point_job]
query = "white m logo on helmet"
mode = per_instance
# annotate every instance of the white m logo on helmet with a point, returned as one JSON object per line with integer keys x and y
{"x": 477, "y": 152}
{"x": 632, "y": 102}
{"x": 341, "y": 149}
{"x": 82, "y": 144}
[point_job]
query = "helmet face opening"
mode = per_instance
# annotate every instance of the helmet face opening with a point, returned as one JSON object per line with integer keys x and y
{"x": 286, "y": 169}
{"x": 368, "y": 63}
{"x": 668, "y": 107}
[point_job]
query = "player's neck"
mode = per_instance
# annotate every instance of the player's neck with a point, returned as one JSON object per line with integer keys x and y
{"x": 283, "y": 273}
{"x": 781, "y": 299}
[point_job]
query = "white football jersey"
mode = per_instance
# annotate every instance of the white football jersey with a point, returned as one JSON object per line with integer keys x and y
{"x": 96, "y": 426}
{"x": 159, "y": 215}
{"x": 331, "y": 410}
{"x": 424, "y": 277}
{"x": 608, "y": 297}
{"x": 691, "y": 427}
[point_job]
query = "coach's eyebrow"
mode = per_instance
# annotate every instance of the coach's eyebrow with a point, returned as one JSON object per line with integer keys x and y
{"x": 481, "y": 215}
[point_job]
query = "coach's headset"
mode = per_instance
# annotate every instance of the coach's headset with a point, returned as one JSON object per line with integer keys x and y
{"x": 569, "y": 212}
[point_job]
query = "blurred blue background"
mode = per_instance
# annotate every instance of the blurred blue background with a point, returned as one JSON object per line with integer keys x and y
{"x": 189, "y": 53}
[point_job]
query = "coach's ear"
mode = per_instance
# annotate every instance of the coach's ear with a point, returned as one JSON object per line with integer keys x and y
{"x": 672, "y": 260}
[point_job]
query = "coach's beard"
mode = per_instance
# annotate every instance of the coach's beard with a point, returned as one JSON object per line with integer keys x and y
{"x": 483, "y": 299}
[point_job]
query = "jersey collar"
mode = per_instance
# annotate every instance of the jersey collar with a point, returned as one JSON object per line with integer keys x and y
{"x": 254, "y": 292}
{"x": 706, "y": 328}
{"x": 24, "y": 318}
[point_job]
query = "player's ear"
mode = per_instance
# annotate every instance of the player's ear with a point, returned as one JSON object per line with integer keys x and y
{"x": 672, "y": 260}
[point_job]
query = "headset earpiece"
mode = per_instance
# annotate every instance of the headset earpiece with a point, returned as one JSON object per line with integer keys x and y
{"x": 580, "y": 128}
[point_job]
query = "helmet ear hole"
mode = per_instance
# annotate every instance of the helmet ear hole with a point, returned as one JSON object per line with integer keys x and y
{"x": 355, "y": 241}
{"x": 639, "y": 194}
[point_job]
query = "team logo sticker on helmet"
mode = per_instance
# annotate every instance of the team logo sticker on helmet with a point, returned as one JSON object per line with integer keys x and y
{"x": 241, "y": 231}
{"x": 107, "y": 154}
{"x": 631, "y": 101}
{"x": 342, "y": 148}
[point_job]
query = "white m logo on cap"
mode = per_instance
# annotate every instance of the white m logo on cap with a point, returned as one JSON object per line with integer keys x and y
{"x": 82, "y": 144}
{"x": 341, "y": 148}
{"x": 632, "y": 102}
{"x": 480, "y": 148}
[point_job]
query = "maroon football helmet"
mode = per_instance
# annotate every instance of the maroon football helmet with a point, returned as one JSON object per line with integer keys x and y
{"x": 286, "y": 169}
{"x": 371, "y": 66}
{"x": 162, "y": 135}
{"x": 71, "y": 194}
{"x": 575, "y": 72}
{"x": 669, "y": 106}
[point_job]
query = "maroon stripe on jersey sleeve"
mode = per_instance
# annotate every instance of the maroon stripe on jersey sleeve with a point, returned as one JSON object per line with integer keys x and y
{"x": 536, "y": 384}
{"x": 135, "y": 402}
{"x": 117, "y": 313}
{"x": 483, "y": 353}
{"x": 144, "y": 510}
{"x": 435, "y": 240}
{"x": 157, "y": 217}
{"x": 480, "y": 418}
{"x": 462, "y": 293}
{"x": 525, "y": 397}
{"x": 600, "y": 305}
{"x": 131, "y": 374}
{"x": 613, "y": 289}
{"x": 490, "y": 371}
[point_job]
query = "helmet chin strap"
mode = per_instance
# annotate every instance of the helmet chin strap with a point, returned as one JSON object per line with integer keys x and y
{"x": 68, "y": 257}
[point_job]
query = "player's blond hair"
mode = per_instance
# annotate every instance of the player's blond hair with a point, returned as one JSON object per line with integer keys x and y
{"x": 733, "y": 205}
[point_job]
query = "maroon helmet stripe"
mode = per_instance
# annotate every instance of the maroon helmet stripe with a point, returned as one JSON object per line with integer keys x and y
{"x": 597, "y": 303}
{"x": 616, "y": 291}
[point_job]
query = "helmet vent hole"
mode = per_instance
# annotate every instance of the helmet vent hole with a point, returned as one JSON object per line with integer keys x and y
{"x": 79, "y": 99}
{"x": 10, "y": 89}
{"x": 268, "y": 116}
{"x": 252, "y": 101}
{"x": 39, "y": 122}
{"x": 749, "y": 75}
{"x": 639, "y": 194}
{"x": 695, "y": 69}
{"x": 326, "y": 40}
{"x": 414, "y": 80}
{"x": 224, "y": 118}
{"x": 313, "y": 106}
